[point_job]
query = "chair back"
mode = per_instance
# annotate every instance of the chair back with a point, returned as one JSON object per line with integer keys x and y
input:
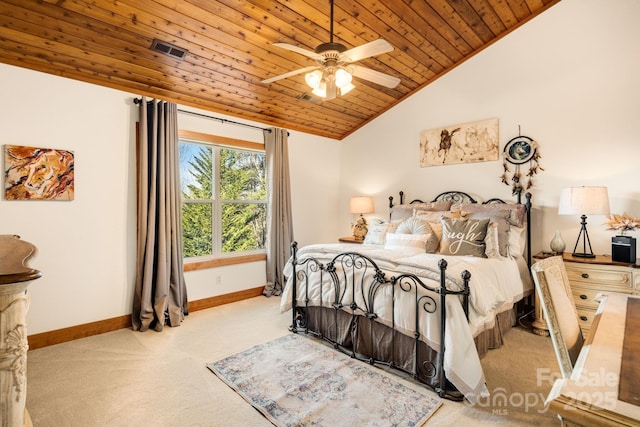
{"x": 554, "y": 292}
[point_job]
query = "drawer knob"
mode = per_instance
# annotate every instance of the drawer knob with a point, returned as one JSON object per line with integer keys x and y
{"x": 585, "y": 275}
{"x": 583, "y": 296}
{"x": 583, "y": 318}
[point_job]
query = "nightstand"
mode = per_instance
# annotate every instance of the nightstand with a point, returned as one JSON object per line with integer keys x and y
{"x": 588, "y": 277}
{"x": 350, "y": 239}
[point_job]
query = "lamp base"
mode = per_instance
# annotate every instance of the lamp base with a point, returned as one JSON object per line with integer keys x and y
{"x": 582, "y": 255}
{"x": 360, "y": 228}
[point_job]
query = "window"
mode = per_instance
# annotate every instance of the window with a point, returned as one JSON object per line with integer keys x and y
{"x": 224, "y": 197}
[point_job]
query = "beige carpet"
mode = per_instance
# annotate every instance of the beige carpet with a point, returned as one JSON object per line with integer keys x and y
{"x": 127, "y": 378}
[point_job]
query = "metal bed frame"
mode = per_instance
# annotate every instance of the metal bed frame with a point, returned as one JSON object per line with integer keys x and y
{"x": 351, "y": 327}
{"x": 360, "y": 274}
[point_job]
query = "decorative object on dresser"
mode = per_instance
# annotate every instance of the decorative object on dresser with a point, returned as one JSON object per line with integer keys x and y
{"x": 623, "y": 247}
{"x": 15, "y": 277}
{"x": 584, "y": 201}
{"x": 557, "y": 244}
{"x": 589, "y": 277}
{"x": 464, "y": 143}
{"x": 360, "y": 205}
{"x": 519, "y": 151}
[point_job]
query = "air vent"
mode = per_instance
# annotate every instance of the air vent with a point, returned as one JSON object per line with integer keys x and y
{"x": 168, "y": 49}
{"x": 310, "y": 98}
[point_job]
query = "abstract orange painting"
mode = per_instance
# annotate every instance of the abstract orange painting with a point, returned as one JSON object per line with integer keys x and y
{"x": 38, "y": 173}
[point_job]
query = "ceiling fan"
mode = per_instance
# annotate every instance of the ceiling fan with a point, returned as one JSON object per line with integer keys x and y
{"x": 333, "y": 74}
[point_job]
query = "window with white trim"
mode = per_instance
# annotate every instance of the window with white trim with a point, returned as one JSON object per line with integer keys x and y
{"x": 224, "y": 199}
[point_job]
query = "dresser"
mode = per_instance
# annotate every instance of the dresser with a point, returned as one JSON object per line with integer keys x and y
{"x": 587, "y": 278}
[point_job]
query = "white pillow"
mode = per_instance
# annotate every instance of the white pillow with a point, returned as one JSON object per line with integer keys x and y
{"x": 395, "y": 240}
{"x": 377, "y": 231}
{"x": 412, "y": 226}
{"x": 492, "y": 249}
{"x": 517, "y": 241}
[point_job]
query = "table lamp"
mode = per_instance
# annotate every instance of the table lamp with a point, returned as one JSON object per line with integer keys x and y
{"x": 584, "y": 201}
{"x": 360, "y": 205}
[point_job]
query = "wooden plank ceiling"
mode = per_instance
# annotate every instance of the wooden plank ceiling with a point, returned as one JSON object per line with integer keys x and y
{"x": 229, "y": 44}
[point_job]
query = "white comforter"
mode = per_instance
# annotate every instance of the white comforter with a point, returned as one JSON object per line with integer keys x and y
{"x": 495, "y": 285}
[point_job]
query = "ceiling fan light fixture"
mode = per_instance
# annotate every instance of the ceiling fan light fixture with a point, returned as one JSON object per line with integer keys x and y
{"x": 313, "y": 79}
{"x": 321, "y": 90}
{"x": 343, "y": 78}
{"x": 346, "y": 89}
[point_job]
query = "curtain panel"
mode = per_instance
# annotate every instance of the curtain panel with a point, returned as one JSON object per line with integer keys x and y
{"x": 279, "y": 218}
{"x": 160, "y": 296}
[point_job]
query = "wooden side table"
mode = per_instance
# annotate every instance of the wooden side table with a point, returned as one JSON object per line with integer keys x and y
{"x": 350, "y": 239}
{"x": 588, "y": 277}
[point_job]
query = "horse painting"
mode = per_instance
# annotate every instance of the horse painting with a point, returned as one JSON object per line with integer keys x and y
{"x": 463, "y": 143}
{"x": 38, "y": 173}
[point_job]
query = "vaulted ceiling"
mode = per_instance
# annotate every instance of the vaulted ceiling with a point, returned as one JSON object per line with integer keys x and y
{"x": 230, "y": 50}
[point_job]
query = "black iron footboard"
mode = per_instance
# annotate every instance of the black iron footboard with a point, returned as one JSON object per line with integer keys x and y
{"x": 353, "y": 288}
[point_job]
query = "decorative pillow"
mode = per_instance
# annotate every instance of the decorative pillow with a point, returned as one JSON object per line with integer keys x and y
{"x": 412, "y": 226}
{"x": 517, "y": 241}
{"x": 400, "y": 212}
{"x": 500, "y": 218}
{"x": 491, "y": 241}
{"x": 406, "y": 211}
{"x": 443, "y": 205}
{"x": 464, "y": 237}
{"x": 436, "y": 216}
{"x": 517, "y": 212}
{"x": 377, "y": 231}
{"x": 395, "y": 240}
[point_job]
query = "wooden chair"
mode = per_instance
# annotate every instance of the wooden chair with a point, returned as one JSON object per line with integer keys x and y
{"x": 552, "y": 286}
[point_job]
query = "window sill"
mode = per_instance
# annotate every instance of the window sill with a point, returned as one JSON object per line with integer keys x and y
{"x": 221, "y": 262}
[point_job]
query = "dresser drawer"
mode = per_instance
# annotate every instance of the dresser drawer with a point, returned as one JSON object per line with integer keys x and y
{"x": 585, "y": 318}
{"x": 600, "y": 277}
{"x": 585, "y": 297}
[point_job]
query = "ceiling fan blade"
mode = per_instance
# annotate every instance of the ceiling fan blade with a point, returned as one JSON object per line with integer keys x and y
{"x": 302, "y": 51}
{"x": 367, "y": 50}
{"x": 290, "y": 73}
{"x": 374, "y": 76}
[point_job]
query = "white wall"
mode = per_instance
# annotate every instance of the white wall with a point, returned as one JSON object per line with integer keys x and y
{"x": 87, "y": 246}
{"x": 569, "y": 79}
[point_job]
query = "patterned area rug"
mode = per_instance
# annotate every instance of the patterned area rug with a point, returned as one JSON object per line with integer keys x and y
{"x": 296, "y": 380}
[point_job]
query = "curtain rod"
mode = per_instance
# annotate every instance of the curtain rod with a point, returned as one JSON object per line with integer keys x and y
{"x": 221, "y": 120}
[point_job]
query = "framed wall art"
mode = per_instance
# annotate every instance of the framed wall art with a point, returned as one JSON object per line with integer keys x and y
{"x": 464, "y": 143}
{"x": 33, "y": 173}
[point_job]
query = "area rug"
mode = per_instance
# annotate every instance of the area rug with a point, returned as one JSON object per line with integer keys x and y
{"x": 297, "y": 381}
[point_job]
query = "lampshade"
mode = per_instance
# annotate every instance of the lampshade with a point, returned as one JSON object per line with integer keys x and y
{"x": 361, "y": 205}
{"x": 343, "y": 78}
{"x": 313, "y": 78}
{"x": 584, "y": 201}
{"x": 330, "y": 82}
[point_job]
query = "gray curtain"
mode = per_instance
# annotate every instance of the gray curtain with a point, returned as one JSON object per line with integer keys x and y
{"x": 279, "y": 219}
{"x": 160, "y": 293}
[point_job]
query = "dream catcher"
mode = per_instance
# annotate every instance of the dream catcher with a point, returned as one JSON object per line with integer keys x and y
{"x": 518, "y": 152}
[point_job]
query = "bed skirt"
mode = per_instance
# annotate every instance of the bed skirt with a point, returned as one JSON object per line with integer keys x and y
{"x": 494, "y": 337}
{"x": 361, "y": 336}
